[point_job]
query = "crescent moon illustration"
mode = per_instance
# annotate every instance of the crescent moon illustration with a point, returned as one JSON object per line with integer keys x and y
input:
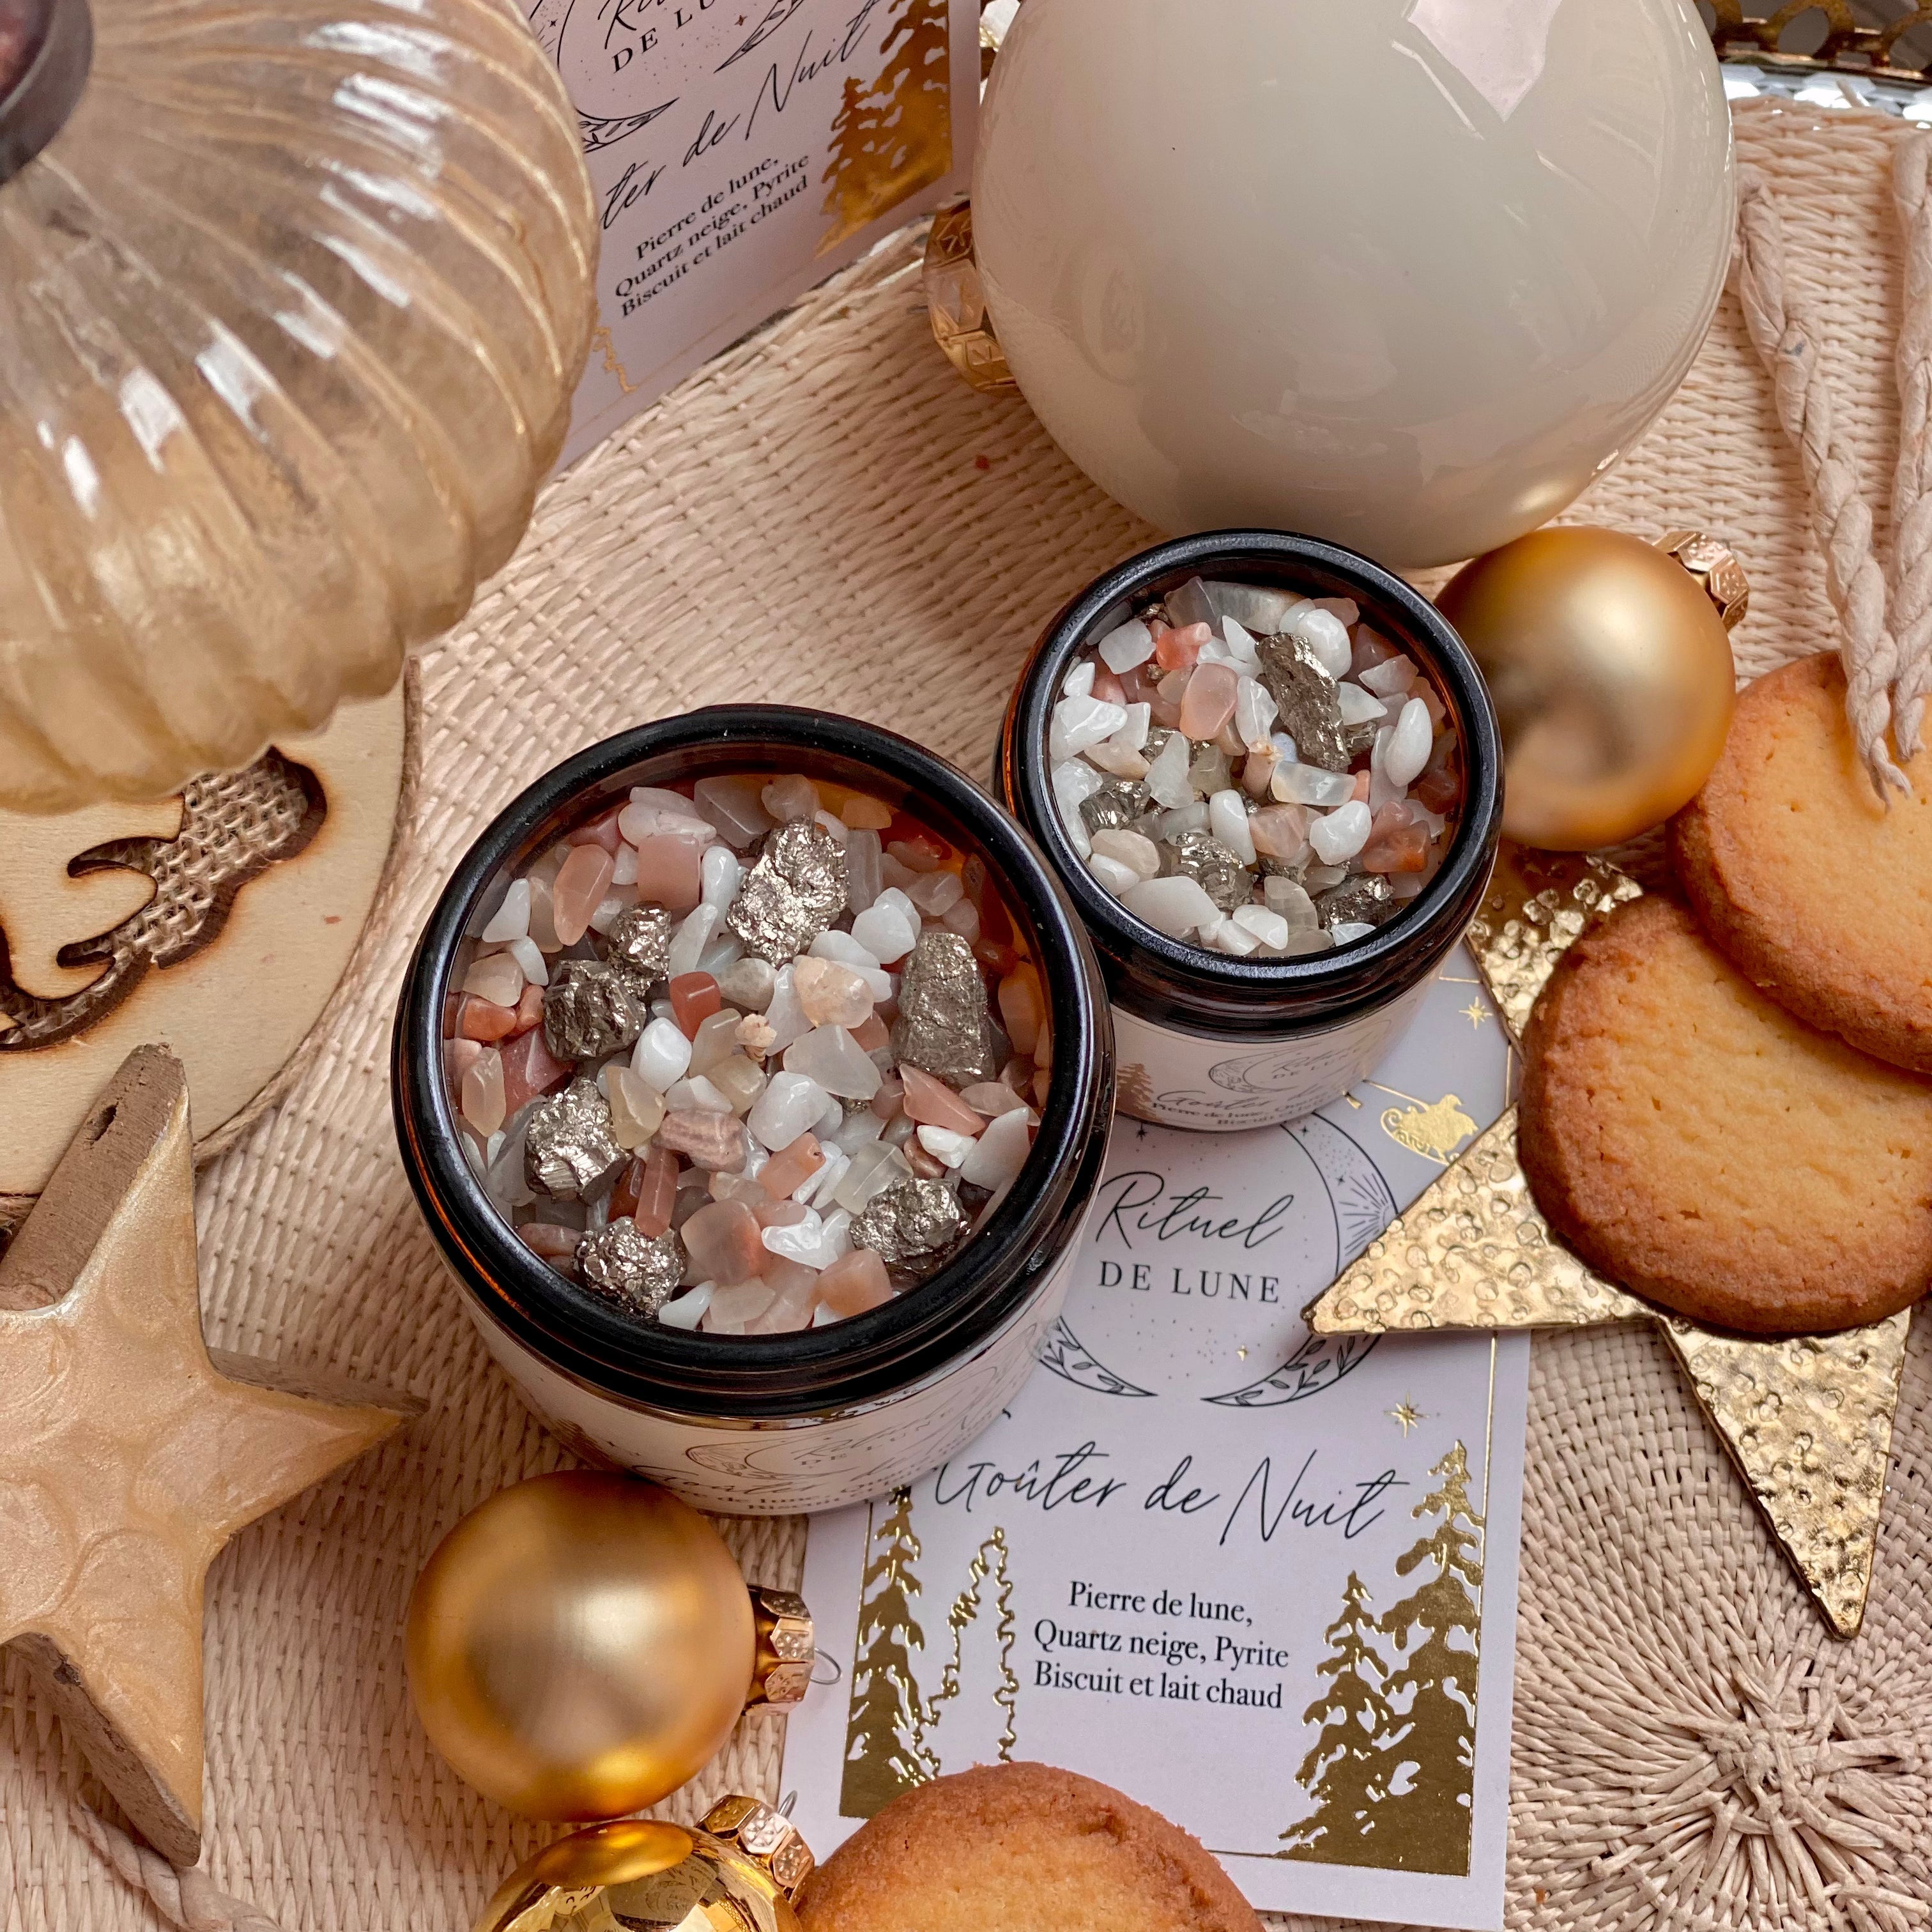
{"x": 550, "y": 22}
{"x": 1360, "y": 1200}
{"x": 1063, "y": 1353}
{"x": 607, "y": 131}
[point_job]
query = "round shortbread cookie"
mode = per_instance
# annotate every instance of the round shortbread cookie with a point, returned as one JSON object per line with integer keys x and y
{"x": 1016, "y": 1848}
{"x": 1820, "y": 895}
{"x": 1694, "y": 1143}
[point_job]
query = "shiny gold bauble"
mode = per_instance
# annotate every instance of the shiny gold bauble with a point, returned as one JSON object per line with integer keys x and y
{"x": 638, "y": 1876}
{"x": 1611, "y": 670}
{"x": 581, "y": 1645}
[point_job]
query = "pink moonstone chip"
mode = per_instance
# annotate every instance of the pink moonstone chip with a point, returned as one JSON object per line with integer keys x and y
{"x": 483, "y": 1093}
{"x": 582, "y": 881}
{"x": 1208, "y": 702}
{"x": 831, "y": 994}
{"x": 934, "y": 1104}
{"x": 669, "y": 874}
{"x": 792, "y": 1166}
{"x": 854, "y": 1282}
{"x": 734, "y": 1307}
{"x": 1398, "y": 841}
{"x": 713, "y": 1142}
{"x": 529, "y": 1070}
{"x": 723, "y": 1242}
{"x": 790, "y": 1308}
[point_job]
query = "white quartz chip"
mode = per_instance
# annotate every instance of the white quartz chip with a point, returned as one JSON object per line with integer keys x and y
{"x": 692, "y": 938}
{"x": 1359, "y": 706}
{"x": 688, "y": 1310}
{"x": 884, "y": 931}
{"x": 1133, "y": 850}
{"x": 527, "y": 955}
{"x": 946, "y": 1144}
{"x": 1167, "y": 780}
{"x": 1225, "y": 935}
{"x": 1228, "y": 820}
{"x": 1270, "y": 928}
{"x": 1289, "y": 897}
{"x": 1078, "y": 722}
{"x": 1407, "y": 751}
{"x": 720, "y": 870}
{"x": 511, "y": 918}
{"x": 1176, "y": 906}
{"x": 1390, "y": 678}
{"x": 1310, "y": 784}
{"x": 1339, "y": 835}
{"x": 1242, "y": 648}
{"x": 1132, "y": 643}
{"x": 1326, "y": 637}
{"x": 830, "y": 1055}
{"x": 1132, "y": 736}
{"x": 1253, "y": 605}
{"x": 1255, "y": 711}
{"x": 789, "y": 1104}
{"x": 1111, "y": 874}
{"x": 661, "y": 1055}
{"x": 1073, "y": 779}
{"x": 1000, "y": 1152}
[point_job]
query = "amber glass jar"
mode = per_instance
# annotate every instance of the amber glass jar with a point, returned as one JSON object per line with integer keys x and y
{"x": 1204, "y": 1039}
{"x": 768, "y": 1424}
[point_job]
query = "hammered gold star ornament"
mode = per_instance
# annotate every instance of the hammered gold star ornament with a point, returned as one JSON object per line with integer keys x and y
{"x": 131, "y": 1454}
{"x": 1807, "y": 1419}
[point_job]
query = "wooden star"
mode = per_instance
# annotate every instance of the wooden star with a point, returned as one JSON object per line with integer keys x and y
{"x": 132, "y": 1454}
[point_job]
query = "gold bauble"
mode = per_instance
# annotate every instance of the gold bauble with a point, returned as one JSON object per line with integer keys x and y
{"x": 1611, "y": 671}
{"x": 637, "y": 1875}
{"x": 581, "y": 1645}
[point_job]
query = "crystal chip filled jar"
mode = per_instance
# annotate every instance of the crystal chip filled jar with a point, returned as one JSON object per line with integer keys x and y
{"x": 704, "y": 1385}
{"x": 1257, "y": 967}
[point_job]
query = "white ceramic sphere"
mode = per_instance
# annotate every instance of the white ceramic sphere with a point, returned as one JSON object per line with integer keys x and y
{"x": 1402, "y": 274}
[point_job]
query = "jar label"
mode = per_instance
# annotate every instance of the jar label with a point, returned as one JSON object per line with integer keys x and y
{"x": 811, "y": 1462}
{"x": 1191, "y": 1080}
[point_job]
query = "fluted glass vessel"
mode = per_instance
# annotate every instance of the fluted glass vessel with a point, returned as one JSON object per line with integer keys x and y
{"x": 293, "y": 297}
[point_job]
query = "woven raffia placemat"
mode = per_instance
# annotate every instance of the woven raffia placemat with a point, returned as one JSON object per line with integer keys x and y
{"x": 825, "y": 516}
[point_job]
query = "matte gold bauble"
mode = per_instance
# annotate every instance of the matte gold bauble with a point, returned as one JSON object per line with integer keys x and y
{"x": 739, "y": 1875}
{"x": 1610, "y": 666}
{"x": 581, "y": 1645}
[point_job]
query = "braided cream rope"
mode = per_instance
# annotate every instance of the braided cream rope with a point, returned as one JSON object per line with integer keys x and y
{"x": 186, "y": 1899}
{"x": 1785, "y": 338}
{"x": 1912, "y": 481}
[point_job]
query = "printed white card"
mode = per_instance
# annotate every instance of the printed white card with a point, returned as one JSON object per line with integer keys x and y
{"x": 1262, "y": 1581}
{"x": 741, "y": 151}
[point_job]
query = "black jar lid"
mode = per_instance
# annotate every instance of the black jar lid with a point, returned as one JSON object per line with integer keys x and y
{"x": 46, "y": 48}
{"x": 865, "y": 1358}
{"x": 1169, "y": 982}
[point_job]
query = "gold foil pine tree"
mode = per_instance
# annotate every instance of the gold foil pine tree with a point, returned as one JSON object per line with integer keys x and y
{"x": 989, "y": 1561}
{"x": 1392, "y": 1772}
{"x": 1434, "y": 1683}
{"x": 885, "y": 1753}
{"x": 1346, "y": 1771}
{"x": 896, "y": 137}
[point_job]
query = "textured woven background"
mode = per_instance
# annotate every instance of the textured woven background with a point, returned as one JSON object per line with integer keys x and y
{"x": 826, "y": 515}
